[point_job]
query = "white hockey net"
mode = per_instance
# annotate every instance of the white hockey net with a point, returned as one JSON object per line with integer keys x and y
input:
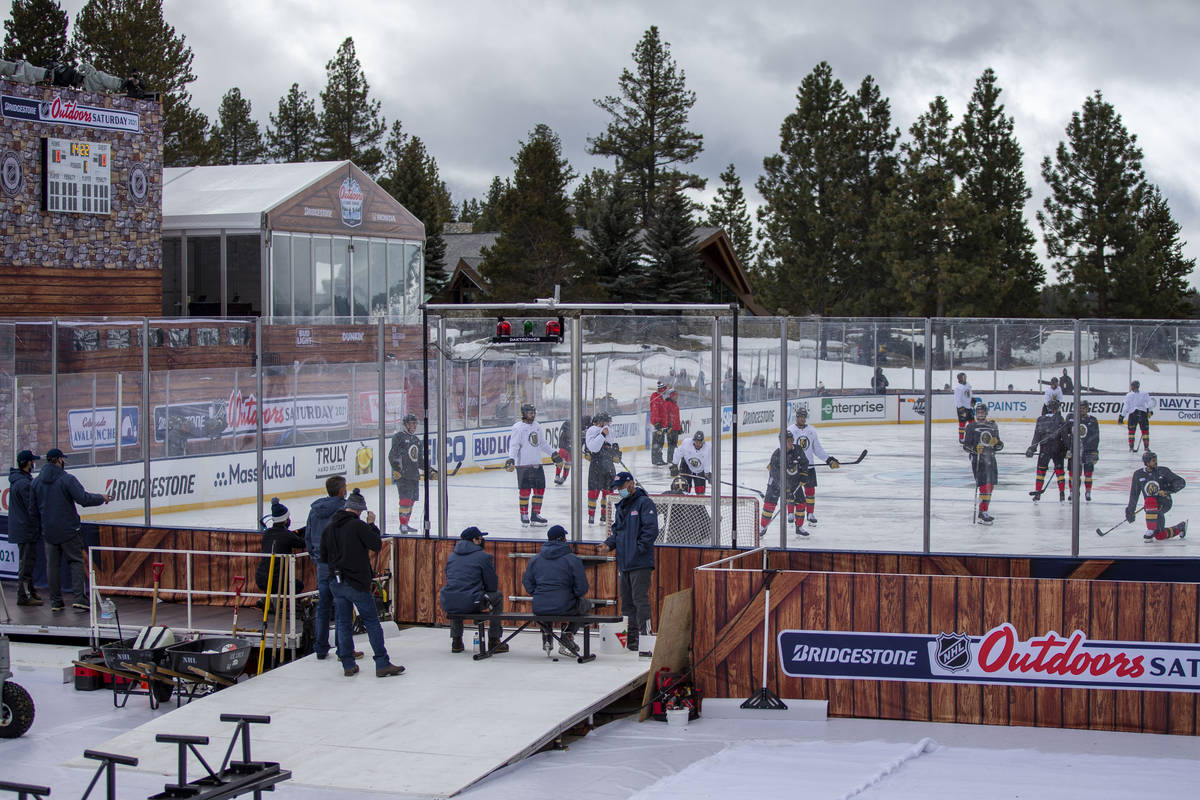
{"x": 687, "y": 519}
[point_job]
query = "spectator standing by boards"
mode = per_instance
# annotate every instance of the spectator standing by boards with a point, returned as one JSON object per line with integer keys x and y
{"x": 57, "y": 493}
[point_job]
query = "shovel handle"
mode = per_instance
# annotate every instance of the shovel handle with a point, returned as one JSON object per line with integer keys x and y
{"x": 156, "y": 569}
{"x": 239, "y": 582}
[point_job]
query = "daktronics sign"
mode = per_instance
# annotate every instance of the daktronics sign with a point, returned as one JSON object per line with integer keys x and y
{"x": 997, "y": 657}
{"x": 162, "y": 486}
{"x": 852, "y": 408}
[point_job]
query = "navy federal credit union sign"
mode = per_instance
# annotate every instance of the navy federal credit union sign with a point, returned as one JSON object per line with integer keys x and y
{"x": 997, "y": 657}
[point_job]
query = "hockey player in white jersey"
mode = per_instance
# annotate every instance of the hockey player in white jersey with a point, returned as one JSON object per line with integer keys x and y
{"x": 526, "y": 445}
{"x": 963, "y": 403}
{"x": 806, "y": 438}
{"x": 695, "y": 461}
{"x": 1136, "y": 413}
{"x": 603, "y": 451}
{"x": 1054, "y": 393}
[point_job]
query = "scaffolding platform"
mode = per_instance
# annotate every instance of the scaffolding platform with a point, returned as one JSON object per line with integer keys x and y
{"x": 444, "y": 724}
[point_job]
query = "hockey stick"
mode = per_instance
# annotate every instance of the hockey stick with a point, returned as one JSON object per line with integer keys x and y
{"x": 858, "y": 460}
{"x": 1119, "y": 524}
{"x": 975, "y": 505}
{"x": 745, "y": 488}
{"x": 501, "y": 466}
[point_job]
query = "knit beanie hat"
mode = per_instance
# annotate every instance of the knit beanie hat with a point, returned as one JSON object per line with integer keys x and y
{"x": 279, "y": 512}
{"x": 356, "y": 502}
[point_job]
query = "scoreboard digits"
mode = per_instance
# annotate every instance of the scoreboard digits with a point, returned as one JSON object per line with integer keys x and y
{"x": 78, "y": 176}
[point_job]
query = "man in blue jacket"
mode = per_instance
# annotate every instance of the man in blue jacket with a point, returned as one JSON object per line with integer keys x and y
{"x": 56, "y": 493}
{"x": 472, "y": 586}
{"x": 633, "y": 533}
{"x": 24, "y": 528}
{"x": 557, "y": 583}
{"x": 319, "y": 514}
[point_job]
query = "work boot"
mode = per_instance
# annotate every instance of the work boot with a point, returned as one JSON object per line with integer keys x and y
{"x": 389, "y": 671}
{"x": 350, "y": 671}
{"x": 568, "y": 647}
{"x": 456, "y": 646}
{"x": 32, "y": 594}
{"x": 498, "y": 647}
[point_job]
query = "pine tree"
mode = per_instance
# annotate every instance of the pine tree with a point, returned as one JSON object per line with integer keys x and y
{"x": 412, "y": 178}
{"x": 470, "y": 210}
{"x": 802, "y": 266}
{"x": 676, "y": 271}
{"x": 590, "y": 194}
{"x": 613, "y": 243}
{"x": 648, "y": 133}
{"x": 120, "y": 36}
{"x": 997, "y": 237}
{"x": 926, "y": 214}
{"x": 351, "y": 124}
{"x": 1108, "y": 232}
{"x": 36, "y": 31}
{"x": 292, "y": 129}
{"x": 730, "y": 213}
{"x": 491, "y": 209}
{"x": 236, "y": 138}
{"x": 537, "y": 249}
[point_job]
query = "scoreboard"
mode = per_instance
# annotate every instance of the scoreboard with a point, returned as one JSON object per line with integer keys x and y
{"x": 78, "y": 176}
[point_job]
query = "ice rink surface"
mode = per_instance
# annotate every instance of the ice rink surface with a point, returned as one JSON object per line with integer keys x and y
{"x": 872, "y": 506}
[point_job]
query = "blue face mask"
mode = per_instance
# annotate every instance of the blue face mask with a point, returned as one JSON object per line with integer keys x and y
{"x": 623, "y": 492}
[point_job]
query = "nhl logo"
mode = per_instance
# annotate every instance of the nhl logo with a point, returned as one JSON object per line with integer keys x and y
{"x": 953, "y": 651}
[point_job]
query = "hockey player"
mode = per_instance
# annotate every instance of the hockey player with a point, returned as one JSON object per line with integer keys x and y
{"x": 405, "y": 458}
{"x": 795, "y": 466}
{"x": 1154, "y": 485}
{"x": 807, "y": 441}
{"x": 695, "y": 462}
{"x": 1089, "y": 444}
{"x": 1048, "y": 446}
{"x": 562, "y": 469}
{"x": 1054, "y": 393}
{"x": 1138, "y": 409}
{"x": 963, "y": 403}
{"x": 674, "y": 427}
{"x": 658, "y": 421}
{"x": 603, "y": 451}
{"x": 525, "y": 449}
{"x": 981, "y": 439}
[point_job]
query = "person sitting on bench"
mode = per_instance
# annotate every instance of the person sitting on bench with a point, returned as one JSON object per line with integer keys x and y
{"x": 472, "y": 586}
{"x": 556, "y": 581}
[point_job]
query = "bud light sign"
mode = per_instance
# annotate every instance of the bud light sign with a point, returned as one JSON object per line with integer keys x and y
{"x": 998, "y": 657}
{"x": 350, "y": 197}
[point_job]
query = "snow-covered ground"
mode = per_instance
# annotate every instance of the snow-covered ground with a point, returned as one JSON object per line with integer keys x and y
{"x": 872, "y": 506}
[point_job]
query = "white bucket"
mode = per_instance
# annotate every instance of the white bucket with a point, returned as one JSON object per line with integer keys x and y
{"x": 646, "y": 643}
{"x": 678, "y": 717}
{"x": 609, "y": 643}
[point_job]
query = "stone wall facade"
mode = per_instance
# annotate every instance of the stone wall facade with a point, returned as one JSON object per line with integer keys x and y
{"x": 128, "y": 238}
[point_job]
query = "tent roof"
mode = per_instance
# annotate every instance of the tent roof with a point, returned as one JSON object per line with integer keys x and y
{"x": 235, "y": 196}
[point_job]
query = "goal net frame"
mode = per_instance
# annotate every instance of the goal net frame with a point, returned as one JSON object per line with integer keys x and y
{"x": 686, "y": 519}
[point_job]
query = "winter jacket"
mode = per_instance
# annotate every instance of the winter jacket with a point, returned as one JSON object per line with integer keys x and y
{"x": 279, "y": 540}
{"x": 346, "y": 546}
{"x": 470, "y": 571}
{"x": 634, "y": 531}
{"x": 24, "y": 525}
{"x": 555, "y": 579}
{"x": 319, "y": 514}
{"x": 658, "y": 409}
{"x": 56, "y": 492}
{"x": 671, "y": 412}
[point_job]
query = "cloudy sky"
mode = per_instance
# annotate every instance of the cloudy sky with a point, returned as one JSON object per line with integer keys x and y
{"x": 472, "y": 78}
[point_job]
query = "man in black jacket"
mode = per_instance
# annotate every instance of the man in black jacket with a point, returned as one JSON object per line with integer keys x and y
{"x": 346, "y": 546}
{"x": 633, "y": 534}
{"x": 472, "y": 586}
{"x": 319, "y": 514}
{"x": 56, "y": 493}
{"x": 556, "y": 581}
{"x": 24, "y": 527}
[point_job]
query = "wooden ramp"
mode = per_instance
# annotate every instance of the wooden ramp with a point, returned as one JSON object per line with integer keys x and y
{"x": 443, "y": 725}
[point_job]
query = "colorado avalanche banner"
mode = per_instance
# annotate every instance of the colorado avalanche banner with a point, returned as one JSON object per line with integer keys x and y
{"x": 996, "y": 657}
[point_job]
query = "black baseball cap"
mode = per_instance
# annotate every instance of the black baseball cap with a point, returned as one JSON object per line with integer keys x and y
{"x": 54, "y": 453}
{"x": 621, "y": 479}
{"x": 472, "y": 533}
{"x": 25, "y": 456}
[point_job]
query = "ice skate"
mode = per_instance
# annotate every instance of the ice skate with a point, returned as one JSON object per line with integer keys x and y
{"x": 524, "y": 521}
{"x": 1062, "y": 496}
{"x": 1036, "y": 495}
{"x": 812, "y": 520}
{"x": 985, "y": 518}
{"x": 560, "y": 480}
{"x": 1181, "y": 530}
{"x": 568, "y": 647}
{"x": 537, "y": 519}
{"x": 1087, "y": 496}
{"x": 800, "y": 531}
{"x": 1148, "y": 536}
{"x": 791, "y": 518}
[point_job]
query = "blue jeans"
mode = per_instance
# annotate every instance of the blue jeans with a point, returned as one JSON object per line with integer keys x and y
{"x": 345, "y": 599}
{"x": 324, "y": 610}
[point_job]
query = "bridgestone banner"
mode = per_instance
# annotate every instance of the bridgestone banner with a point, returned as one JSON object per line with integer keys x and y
{"x": 998, "y": 657}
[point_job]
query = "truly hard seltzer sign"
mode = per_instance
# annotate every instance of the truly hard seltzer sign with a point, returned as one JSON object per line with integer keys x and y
{"x": 997, "y": 657}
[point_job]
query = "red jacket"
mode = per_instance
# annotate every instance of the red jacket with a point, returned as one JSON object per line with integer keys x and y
{"x": 658, "y": 413}
{"x": 671, "y": 410}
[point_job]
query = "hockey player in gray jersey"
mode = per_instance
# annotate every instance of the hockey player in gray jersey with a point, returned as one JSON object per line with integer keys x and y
{"x": 526, "y": 445}
{"x": 1048, "y": 447}
{"x": 1089, "y": 445}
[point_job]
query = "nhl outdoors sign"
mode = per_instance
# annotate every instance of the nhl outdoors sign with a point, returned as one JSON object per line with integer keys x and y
{"x": 996, "y": 657}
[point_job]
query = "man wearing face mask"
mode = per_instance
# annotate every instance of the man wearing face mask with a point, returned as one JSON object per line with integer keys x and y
{"x": 633, "y": 534}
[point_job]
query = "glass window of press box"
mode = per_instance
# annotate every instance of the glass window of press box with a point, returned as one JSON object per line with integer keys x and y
{"x": 309, "y": 275}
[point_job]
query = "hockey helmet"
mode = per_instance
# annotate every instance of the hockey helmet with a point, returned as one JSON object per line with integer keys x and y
{"x": 661, "y": 384}
{"x": 1084, "y": 405}
{"x": 1135, "y": 385}
{"x": 1149, "y": 456}
{"x": 587, "y": 422}
{"x": 1052, "y": 406}
{"x": 962, "y": 377}
{"x": 410, "y": 418}
{"x": 802, "y": 410}
{"x": 1054, "y": 381}
{"x": 698, "y": 436}
{"x": 528, "y": 410}
{"x": 981, "y": 411}
{"x": 601, "y": 418}
{"x": 679, "y": 485}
